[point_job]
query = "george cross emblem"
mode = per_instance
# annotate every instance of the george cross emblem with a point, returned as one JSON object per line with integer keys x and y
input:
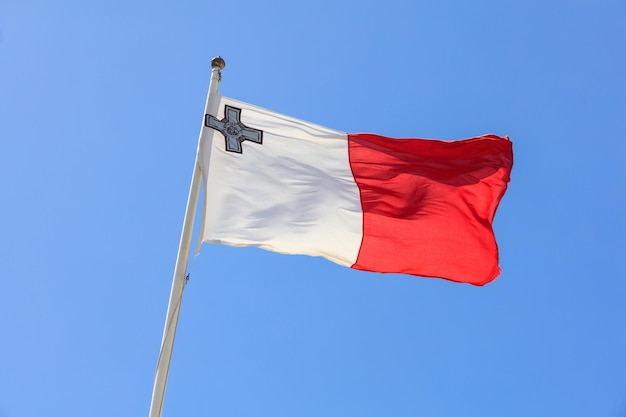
{"x": 233, "y": 130}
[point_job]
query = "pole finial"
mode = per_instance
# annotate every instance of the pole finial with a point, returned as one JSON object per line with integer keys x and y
{"x": 218, "y": 62}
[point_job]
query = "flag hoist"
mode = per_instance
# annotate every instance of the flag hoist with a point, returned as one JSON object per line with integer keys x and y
{"x": 178, "y": 281}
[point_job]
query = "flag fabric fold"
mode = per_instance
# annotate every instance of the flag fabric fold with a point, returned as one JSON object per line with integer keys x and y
{"x": 414, "y": 206}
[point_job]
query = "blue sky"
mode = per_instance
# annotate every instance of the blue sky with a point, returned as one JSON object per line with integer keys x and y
{"x": 100, "y": 108}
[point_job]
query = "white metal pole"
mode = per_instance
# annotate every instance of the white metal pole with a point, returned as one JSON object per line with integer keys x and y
{"x": 178, "y": 282}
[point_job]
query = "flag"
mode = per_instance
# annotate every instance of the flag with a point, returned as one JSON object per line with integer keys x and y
{"x": 413, "y": 206}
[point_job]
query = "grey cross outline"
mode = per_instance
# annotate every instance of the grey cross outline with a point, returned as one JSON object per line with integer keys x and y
{"x": 233, "y": 130}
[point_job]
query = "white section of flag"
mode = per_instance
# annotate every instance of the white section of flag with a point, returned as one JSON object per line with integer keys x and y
{"x": 294, "y": 193}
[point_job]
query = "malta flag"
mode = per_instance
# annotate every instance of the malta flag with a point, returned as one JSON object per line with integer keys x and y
{"x": 411, "y": 206}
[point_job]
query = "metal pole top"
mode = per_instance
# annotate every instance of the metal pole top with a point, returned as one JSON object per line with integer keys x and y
{"x": 218, "y": 62}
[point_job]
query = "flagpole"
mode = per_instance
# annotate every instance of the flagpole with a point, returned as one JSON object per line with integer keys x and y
{"x": 178, "y": 281}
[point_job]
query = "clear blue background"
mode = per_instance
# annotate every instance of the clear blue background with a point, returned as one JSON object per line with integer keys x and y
{"x": 100, "y": 108}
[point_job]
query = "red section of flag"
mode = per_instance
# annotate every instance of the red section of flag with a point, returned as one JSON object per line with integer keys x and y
{"x": 428, "y": 205}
